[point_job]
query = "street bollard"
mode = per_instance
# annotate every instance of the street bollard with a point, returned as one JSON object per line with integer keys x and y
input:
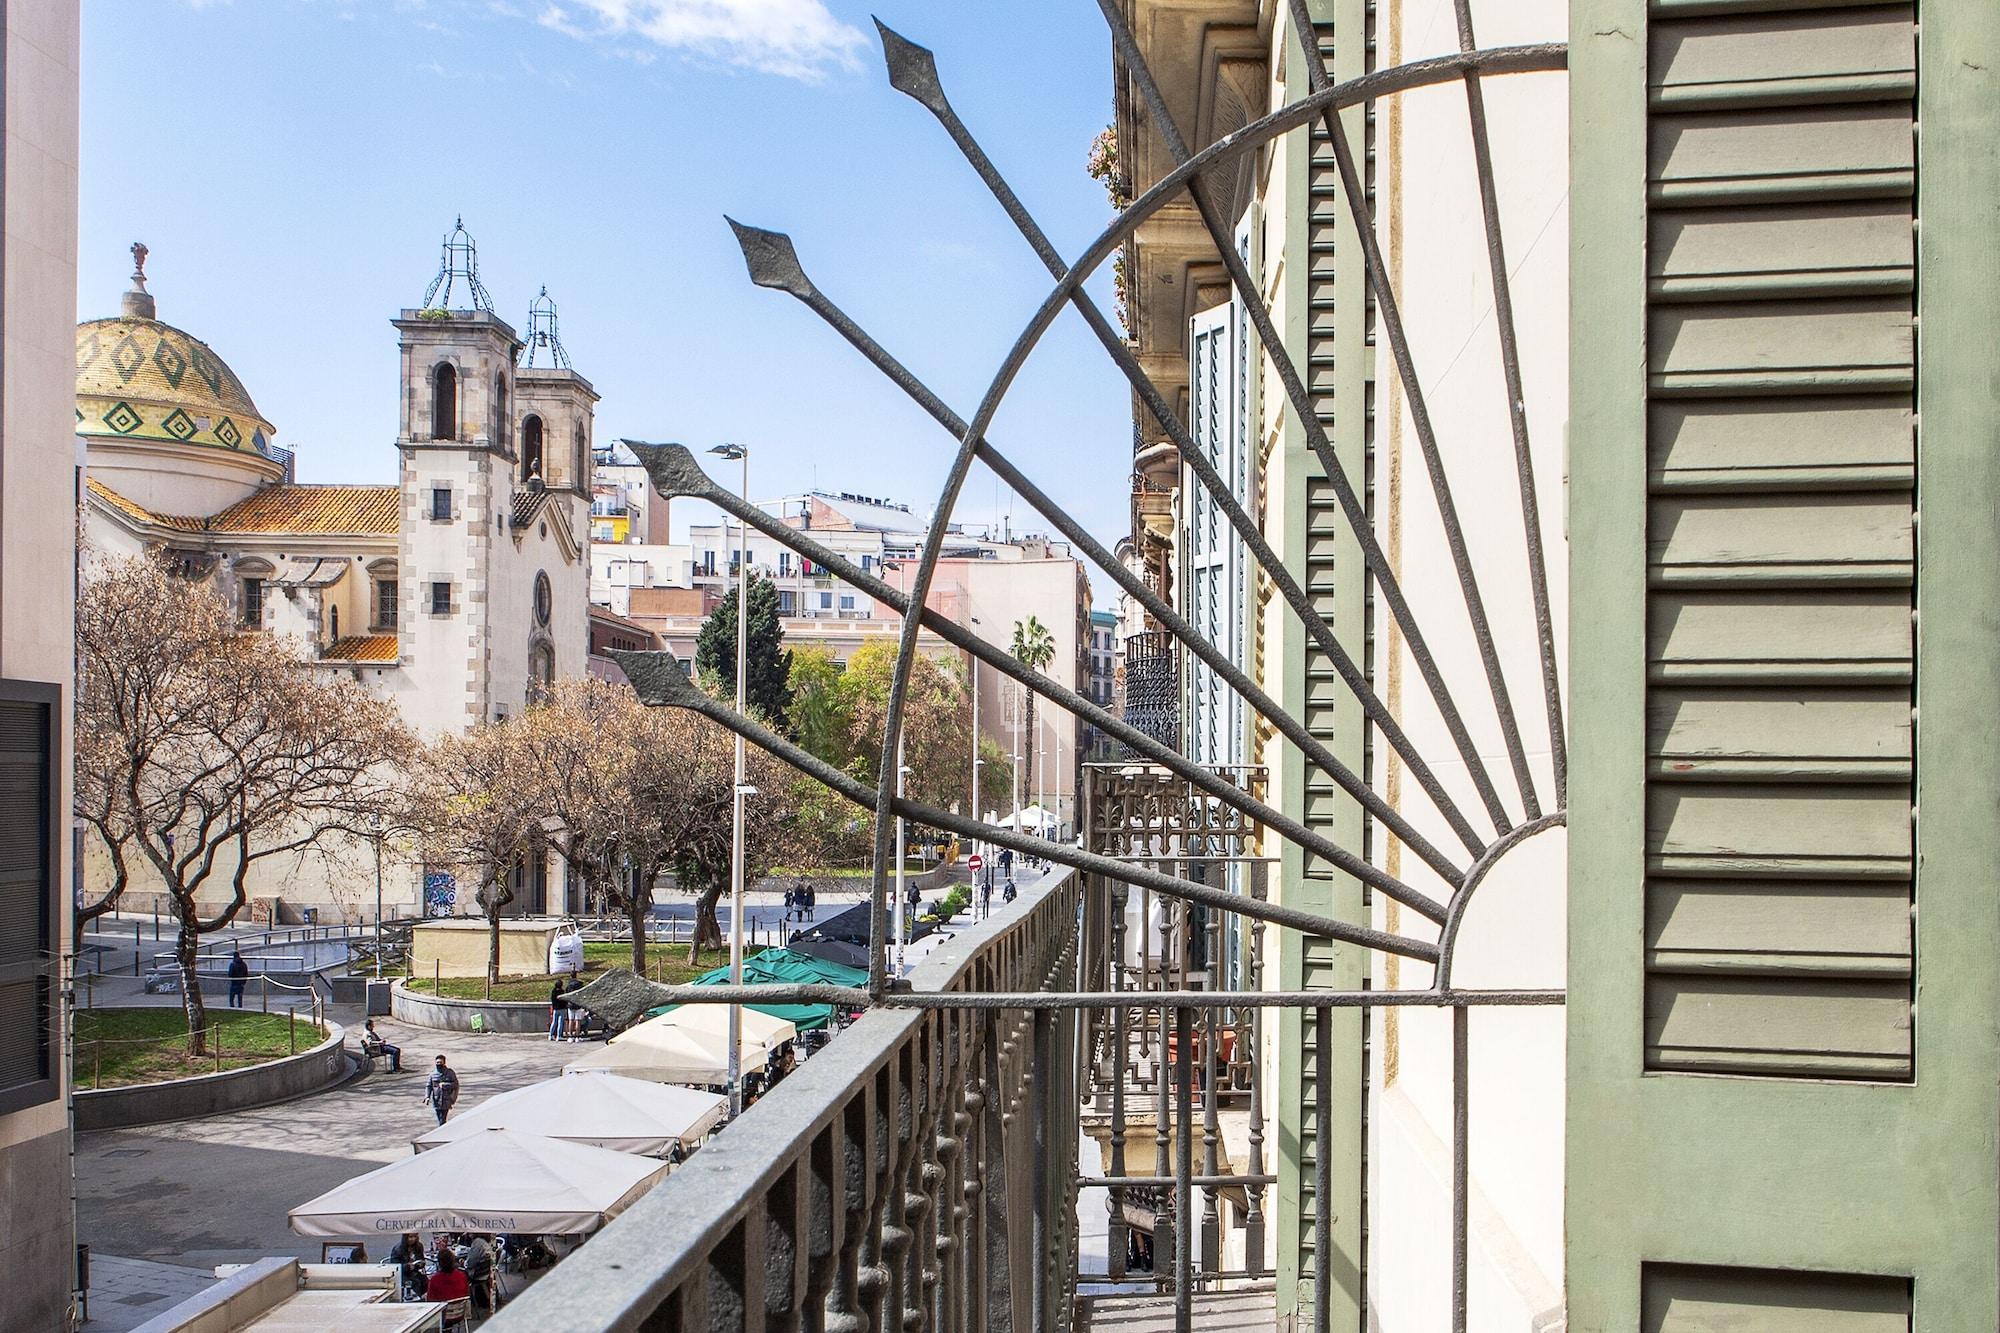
{"x": 215, "y": 1036}
{"x": 295, "y": 1031}
{"x": 265, "y": 979}
{"x": 138, "y": 947}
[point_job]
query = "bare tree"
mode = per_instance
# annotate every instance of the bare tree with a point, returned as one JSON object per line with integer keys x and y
{"x": 203, "y": 751}
{"x": 582, "y": 759}
{"x": 631, "y": 792}
{"x": 474, "y": 809}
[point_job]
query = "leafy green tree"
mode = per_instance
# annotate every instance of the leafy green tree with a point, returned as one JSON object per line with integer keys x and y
{"x": 1034, "y": 648}
{"x": 822, "y": 710}
{"x": 769, "y": 691}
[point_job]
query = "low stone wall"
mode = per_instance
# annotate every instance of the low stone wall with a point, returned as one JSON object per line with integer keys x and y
{"x": 429, "y": 1011}
{"x": 280, "y": 1080}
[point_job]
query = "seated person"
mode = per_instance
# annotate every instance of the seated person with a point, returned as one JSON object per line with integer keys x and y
{"x": 408, "y": 1255}
{"x": 370, "y": 1037}
{"x": 448, "y": 1283}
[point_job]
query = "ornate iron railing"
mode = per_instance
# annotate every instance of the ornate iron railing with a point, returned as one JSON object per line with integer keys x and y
{"x": 917, "y": 1173}
{"x": 734, "y": 1242}
{"x": 1153, "y": 687}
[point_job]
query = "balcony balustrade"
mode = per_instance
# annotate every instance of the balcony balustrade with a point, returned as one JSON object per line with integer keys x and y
{"x": 919, "y": 1172}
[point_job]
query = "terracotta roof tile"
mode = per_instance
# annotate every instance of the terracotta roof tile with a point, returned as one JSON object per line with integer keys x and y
{"x": 315, "y": 509}
{"x": 140, "y": 512}
{"x": 308, "y": 510}
{"x": 527, "y": 503}
{"x": 362, "y": 648}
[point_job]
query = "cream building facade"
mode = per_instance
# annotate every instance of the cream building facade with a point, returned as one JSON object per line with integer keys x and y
{"x": 39, "y": 63}
{"x": 458, "y": 592}
{"x": 1223, "y": 64}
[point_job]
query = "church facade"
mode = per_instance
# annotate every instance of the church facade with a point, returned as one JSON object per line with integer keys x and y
{"x": 458, "y": 592}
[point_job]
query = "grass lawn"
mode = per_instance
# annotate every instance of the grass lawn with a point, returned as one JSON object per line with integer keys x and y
{"x": 667, "y": 963}
{"x": 117, "y": 1047}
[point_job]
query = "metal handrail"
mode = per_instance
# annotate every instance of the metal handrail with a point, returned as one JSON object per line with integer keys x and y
{"x": 843, "y": 1185}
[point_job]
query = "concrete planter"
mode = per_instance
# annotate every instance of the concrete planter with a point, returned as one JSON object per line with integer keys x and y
{"x": 280, "y": 1080}
{"x": 430, "y": 1011}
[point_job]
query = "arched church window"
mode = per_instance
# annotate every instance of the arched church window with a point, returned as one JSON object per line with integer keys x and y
{"x": 541, "y": 671}
{"x": 582, "y": 453}
{"x": 503, "y": 420}
{"x": 444, "y": 402}
{"x": 333, "y": 622}
{"x": 531, "y": 448}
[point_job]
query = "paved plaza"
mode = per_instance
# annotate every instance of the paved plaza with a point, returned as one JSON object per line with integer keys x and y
{"x": 197, "y": 1193}
{"x": 161, "y": 1205}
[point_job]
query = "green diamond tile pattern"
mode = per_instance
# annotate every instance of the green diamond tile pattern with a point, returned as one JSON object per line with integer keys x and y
{"x": 123, "y": 419}
{"x": 170, "y": 361}
{"x": 225, "y": 430}
{"x": 179, "y": 425}
{"x": 127, "y": 357}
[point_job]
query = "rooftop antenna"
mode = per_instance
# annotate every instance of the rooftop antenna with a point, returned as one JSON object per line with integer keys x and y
{"x": 542, "y": 332}
{"x": 460, "y": 263}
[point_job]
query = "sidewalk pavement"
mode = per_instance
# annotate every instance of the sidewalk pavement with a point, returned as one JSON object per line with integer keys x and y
{"x": 217, "y": 1190}
{"x": 125, "y": 1293}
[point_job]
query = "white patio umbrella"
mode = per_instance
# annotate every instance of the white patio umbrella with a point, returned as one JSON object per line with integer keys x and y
{"x": 773, "y": 1032}
{"x": 495, "y": 1181}
{"x": 688, "y": 1045}
{"x": 627, "y": 1115}
{"x": 1034, "y": 819}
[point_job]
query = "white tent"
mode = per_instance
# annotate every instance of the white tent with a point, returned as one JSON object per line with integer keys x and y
{"x": 713, "y": 1019}
{"x": 688, "y": 1045}
{"x": 604, "y": 1111}
{"x": 1034, "y": 819}
{"x": 495, "y": 1181}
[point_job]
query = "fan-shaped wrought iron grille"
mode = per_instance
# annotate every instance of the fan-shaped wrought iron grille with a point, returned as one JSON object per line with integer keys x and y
{"x": 1492, "y": 803}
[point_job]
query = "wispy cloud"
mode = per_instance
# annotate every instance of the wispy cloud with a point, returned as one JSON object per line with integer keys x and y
{"x": 797, "y": 39}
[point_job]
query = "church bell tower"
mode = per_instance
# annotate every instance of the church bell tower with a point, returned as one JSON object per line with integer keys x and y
{"x": 557, "y": 409}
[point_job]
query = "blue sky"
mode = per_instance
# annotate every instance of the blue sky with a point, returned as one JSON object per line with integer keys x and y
{"x": 294, "y": 164}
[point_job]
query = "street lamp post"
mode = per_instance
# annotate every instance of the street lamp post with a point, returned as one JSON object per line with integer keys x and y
{"x": 742, "y": 786}
{"x": 902, "y": 771}
{"x": 973, "y": 809}
{"x": 375, "y": 827}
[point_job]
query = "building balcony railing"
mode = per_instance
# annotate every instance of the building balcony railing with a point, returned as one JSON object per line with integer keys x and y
{"x": 917, "y": 1172}
{"x": 1153, "y": 686}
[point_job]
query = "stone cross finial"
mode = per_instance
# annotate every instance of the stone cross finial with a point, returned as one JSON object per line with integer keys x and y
{"x": 138, "y": 302}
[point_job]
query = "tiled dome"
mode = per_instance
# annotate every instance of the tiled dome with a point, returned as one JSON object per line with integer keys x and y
{"x": 139, "y": 379}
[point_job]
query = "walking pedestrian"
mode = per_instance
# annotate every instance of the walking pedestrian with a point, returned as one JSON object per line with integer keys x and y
{"x": 558, "y": 1012}
{"x": 442, "y": 1090}
{"x": 986, "y": 896}
{"x": 812, "y": 902}
{"x": 1007, "y": 862}
{"x": 791, "y": 903}
{"x": 239, "y": 974}
{"x": 1006, "y": 897}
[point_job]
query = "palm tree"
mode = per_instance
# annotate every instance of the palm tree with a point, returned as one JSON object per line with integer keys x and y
{"x": 1034, "y": 648}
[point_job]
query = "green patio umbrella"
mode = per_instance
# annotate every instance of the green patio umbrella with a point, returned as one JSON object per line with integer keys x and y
{"x": 777, "y": 967}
